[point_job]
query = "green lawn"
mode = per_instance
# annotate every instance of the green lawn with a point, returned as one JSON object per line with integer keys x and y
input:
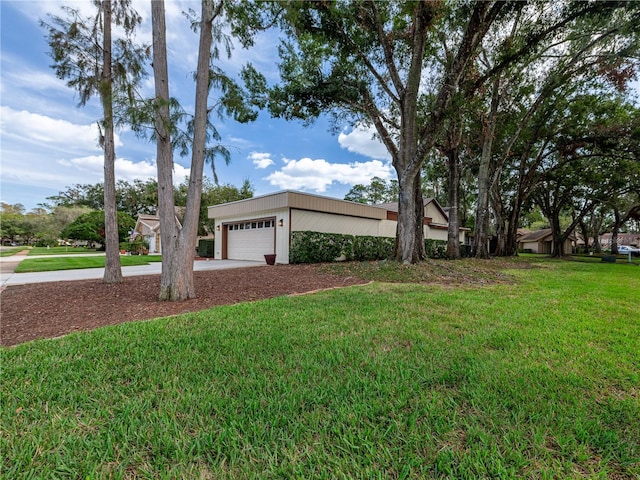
{"x": 72, "y": 263}
{"x": 536, "y": 377}
{"x": 62, "y": 251}
{"x": 7, "y": 252}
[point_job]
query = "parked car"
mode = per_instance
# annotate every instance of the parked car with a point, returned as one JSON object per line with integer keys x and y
{"x": 626, "y": 249}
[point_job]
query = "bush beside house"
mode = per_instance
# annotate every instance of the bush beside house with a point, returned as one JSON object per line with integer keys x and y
{"x": 317, "y": 247}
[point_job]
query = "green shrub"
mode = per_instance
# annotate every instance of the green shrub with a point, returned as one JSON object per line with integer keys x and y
{"x": 435, "y": 248}
{"x": 316, "y": 247}
{"x": 138, "y": 247}
{"x": 372, "y": 248}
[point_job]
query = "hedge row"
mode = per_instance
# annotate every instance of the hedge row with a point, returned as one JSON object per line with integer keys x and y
{"x": 316, "y": 247}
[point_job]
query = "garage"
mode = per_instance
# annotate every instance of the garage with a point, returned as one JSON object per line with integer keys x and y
{"x": 250, "y": 239}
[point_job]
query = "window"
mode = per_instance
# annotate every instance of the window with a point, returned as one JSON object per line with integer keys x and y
{"x": 260, "y": 224}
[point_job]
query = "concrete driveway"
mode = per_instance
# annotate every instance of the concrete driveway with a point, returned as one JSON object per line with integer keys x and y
{"x": 7, "y": 277}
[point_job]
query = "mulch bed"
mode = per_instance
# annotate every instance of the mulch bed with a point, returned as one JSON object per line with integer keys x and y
{"x": 47, "y": 310}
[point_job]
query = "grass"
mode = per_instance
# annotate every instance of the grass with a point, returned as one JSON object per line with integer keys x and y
{"x": 73, "y": 263}
{"x": 62, "y": 251}
{"x": 10, "y": 251}
{"x": 536, "y": 377}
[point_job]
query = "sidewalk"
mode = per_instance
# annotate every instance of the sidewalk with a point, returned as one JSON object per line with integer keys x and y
{"x": 154, "y": 268}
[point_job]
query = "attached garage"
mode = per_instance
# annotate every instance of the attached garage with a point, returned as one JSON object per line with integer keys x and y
{"x": 250, "y": 240}
{"x": 254, "y": 227}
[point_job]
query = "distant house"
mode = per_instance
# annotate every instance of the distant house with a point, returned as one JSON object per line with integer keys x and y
{"x": 632, "y": 239}
{"x": 250, "y": 228}
{"x": 541, "y": 241}
{"x": 148, "y": 229}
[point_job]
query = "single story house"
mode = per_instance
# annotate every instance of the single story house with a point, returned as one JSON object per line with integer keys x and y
{"x": 148, "y": 228}
{"x": 251, "y": 228}
{"x": 632, "y": 239}
{"x": 541, "y": 241}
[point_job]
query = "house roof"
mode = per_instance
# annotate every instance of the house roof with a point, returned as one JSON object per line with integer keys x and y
{"x": 297, "y": 200}
{"x": 536, "y": 236}
{"x": 623, "y": 238}
{"x": 393, "y": 206}
{"x": 539, "y": 236}
{"x": 152, "y": 222}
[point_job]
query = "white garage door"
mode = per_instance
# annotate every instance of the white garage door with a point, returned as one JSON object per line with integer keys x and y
{"x": 251, "y": 240}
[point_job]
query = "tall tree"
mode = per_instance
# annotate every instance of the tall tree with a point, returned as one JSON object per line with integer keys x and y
{"x": 365, "y": 62}
{"x": 179, "y": 242}
{"x": 212, "y": 194}
{"x": 596, "y": 40}
{"x": 85, "y": 55}
{"x": 594, "y": 161}
{"x": 91, "y": 227}
{"x": 378, "y": 191}
{"x": 375, "y": 63}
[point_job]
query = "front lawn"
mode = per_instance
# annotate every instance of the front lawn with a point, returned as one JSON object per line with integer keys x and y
{"x": 7, "y": 252}
{"x": 72, "y": 263}
{"x": 535, "y": 377}
{"x": 62, "y": 251}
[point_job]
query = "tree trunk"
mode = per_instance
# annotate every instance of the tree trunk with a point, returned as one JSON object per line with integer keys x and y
{"x": 410, "y": 234}
{"x": 177, "y": 282}
{"x": 557, "y": 243}
{"x": 511, "y": 242}
{"x": 112, "y": 271}
{"x": 453, "y": 231}
{"x": 586, "y": 235}
{"x": 164, "y": 153}
{"x": 498, "y": 210}
{"x": 484, "y": 177}
{"x": 501, "y": 237}
{"x": 615, "y": 230}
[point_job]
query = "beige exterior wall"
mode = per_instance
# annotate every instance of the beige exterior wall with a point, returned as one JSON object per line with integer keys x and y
{"x": 533, "y": 246}
{"x": 435, "y": 233}
{"x": 545, "y": 246}
{"x": 435, "y": 214}
{"x": 387, "y": 228}
{"x": 302, "y": 220}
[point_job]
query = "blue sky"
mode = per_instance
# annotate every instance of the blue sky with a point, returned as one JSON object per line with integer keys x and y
{"x": 47, "y": 143}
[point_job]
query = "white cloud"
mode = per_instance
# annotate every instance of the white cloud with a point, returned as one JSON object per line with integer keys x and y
{"x": 261, "y": 160}
{"x": 125, "y": 169}
{"x": 53, "y": 133}
{"x": 317, "y": 175}
{"x": 361, "y": 140}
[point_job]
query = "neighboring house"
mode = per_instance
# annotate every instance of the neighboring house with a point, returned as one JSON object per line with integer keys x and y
{"x": 148, "y": 228}
{"x": 632, "y": 239}
{"x": 541, "y": 241}
{"x": 251, "y": 228}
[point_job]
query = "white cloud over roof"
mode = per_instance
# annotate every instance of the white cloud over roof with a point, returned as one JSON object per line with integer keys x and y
{"x": 317, "y": 175}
